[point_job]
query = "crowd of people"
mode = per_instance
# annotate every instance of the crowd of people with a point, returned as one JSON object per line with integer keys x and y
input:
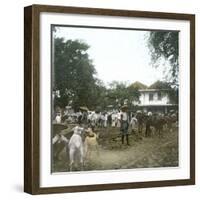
{"x": 88, "y": 123}
{"x": 139, "y": 123}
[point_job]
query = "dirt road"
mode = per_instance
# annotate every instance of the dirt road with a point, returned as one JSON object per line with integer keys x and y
{"x": 148, "y": 152}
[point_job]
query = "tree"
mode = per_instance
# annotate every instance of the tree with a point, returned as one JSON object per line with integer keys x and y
{"x": 118, "y": 92}
{"x": 73, "y": 73}
{"x": 164, "y": 44}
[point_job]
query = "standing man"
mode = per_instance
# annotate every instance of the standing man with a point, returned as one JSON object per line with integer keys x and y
{"x": 124, "y": 124}
{"x": 140, "y": 120}
{"x": 148, "y": 124}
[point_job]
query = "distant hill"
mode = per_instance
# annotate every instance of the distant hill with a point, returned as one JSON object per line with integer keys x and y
{"x": 138, "y": 85}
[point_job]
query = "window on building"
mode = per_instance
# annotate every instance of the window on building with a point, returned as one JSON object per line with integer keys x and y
{"x": 150, "y": 96}
{"x": 159, "y": 96}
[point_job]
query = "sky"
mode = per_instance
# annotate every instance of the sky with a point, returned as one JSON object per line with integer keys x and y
{"x": 118, "y": 55}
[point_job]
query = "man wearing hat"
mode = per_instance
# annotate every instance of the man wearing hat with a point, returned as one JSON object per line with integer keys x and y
{"x": 124, "y": 124}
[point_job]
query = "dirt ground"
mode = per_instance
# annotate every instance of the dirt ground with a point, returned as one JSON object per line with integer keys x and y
{"x": 148, "y": 152}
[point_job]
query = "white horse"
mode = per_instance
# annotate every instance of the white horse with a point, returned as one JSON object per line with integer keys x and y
{"x": 76, "y": 147}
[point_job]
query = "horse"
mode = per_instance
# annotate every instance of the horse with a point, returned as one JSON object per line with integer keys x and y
{"x": 90, "y": 143}
{"x": 76, "y": 147}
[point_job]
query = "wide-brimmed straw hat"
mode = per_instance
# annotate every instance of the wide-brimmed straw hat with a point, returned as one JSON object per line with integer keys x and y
{"x": 84, "y": 108}
{"x": 124, "y": 107}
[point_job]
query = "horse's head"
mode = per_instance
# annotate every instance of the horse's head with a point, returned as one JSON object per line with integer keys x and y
{"x": 78, "y": 130}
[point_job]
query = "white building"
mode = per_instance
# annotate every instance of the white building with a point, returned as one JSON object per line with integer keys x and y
{"x": 155, "y": 100}
{"x": 149, "y": 97}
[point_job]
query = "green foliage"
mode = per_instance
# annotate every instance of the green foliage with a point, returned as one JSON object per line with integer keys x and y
{"x": 73, "y": 73}
{"x": 74, "y": 76}
{"x": 119, "y": 91}
{"x": 164, "y": 44}
{"x": 173, "y": 95}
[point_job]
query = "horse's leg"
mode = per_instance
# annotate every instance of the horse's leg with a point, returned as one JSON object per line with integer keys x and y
{"x": 150, "y": 131}
{"x": 159, "y": 132}
{"x": 82, "y": 158}
{"x": 86, "y": 154}
{"x": 127, "y": 139}
{"x": 122, "y": 138}
{"x": 97, "y": 150}
{"x": 153, "y": 131}
{"x": 139, "y": 130}
{"x": 162, "y": 131}
{"x": 146, "y": 131}
{"x": 67, "y": 156}
{"x": 59, "y": 150}
{"x": 156, "y": 130}
{"x": 71, "y": 157}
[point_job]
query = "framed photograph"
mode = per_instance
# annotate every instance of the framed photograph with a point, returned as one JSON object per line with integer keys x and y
{"x": 109, "y": 99}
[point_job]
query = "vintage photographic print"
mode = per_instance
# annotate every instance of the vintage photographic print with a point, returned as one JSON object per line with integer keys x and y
{"x": 109, "y": 99}
{"x": 115, "y": 102}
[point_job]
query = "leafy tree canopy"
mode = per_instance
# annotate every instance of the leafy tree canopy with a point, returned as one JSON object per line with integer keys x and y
{"x": 164, "y": 44}
{"x": 74, "y": 73}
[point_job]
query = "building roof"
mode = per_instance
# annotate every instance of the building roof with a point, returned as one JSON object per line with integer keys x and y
{"x": 160, "y": 85}
{"x": 138, "y": 85}
{"x": 156, "y": 86}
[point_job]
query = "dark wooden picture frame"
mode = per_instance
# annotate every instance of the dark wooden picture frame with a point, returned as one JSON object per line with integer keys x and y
{"x": 32, "y": 96}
